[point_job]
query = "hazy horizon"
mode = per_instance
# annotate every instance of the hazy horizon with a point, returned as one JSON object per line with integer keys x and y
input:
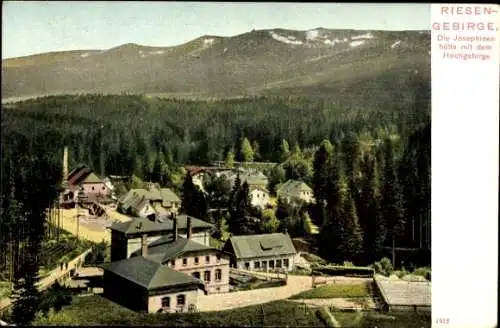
{"x": 34, "y": 27}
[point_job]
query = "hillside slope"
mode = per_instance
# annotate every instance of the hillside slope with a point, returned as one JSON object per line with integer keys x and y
{"x": 318, "y": 62}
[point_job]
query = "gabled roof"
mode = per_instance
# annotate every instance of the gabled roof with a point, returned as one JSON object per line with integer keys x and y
{"x": 293, "y": 188}
{"x": 165, "y": 248}
{"x": 79, "y": 175}
{"x": 165, "y": 195}
{"x": 150, "y": 274}
{"x": 251, "y": 246}
{"x": 142, "y": 225}
{"x": 92, "y": 178}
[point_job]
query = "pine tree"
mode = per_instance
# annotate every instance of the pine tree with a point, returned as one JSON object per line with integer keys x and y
{"x": 392, "y": 200}
{"x": 320, "y": 177}
{"x": 371, "y": 219}
{"x": 353, "y": 233}
{"x": 246, "y": 151}
{"x": 256, "y": 150}
{"x": 189, "y": 196}
{"x": 229, "y": 160}
{"x": 284, "y": 150}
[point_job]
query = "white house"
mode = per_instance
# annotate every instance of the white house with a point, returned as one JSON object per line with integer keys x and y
{"x": 259, "y": 197}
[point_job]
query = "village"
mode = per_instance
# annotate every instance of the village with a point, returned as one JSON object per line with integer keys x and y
{"x": 162, "y": 260}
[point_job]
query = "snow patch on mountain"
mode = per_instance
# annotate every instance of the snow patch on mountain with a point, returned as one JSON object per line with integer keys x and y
{"x": 357, "y": 43}
{"x": 312, "y": 35}
{"x": 395, "y": 44}
{"x": 208, "y": 42}
{"x": 332, "y": 42}
{"x": 363, "y": 36}
{"x": 283, "y": 39}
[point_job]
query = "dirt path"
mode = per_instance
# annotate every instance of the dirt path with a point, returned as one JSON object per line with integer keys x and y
{"x": 218, "y": 302}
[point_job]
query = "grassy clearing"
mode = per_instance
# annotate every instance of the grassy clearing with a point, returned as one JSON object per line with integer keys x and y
{"x": 335, "y": 291}
{"x": 96, "y": 310}
{"x": 5, "y": 289}
{"x": 386, "y": 320}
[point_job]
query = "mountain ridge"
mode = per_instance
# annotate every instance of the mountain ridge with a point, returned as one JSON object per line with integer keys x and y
{"x": 259, "y": 62}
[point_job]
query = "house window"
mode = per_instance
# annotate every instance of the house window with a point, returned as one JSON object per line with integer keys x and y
{"x": 256, "y": 264}
{"x": 165, "y": 302}
{"x": 218, "y": 275}
{"x": 207, "y": 259}
{"x": 286, "y": 263}
{"x": 247, "y": 265}
{"x": 264, "y": 265}
{"x": 184, "y": 261}
{"x": 92, "y": 188}
{"x": 218, "y": 257}
{"x": 103, "y": 188}
{"x": 172, "y": 263}
{"x": 181, "y": 300}
{"x": 196, "y": 260}
{"x": 271, "y": 264}
{"x": 278, "y": 263}
{"x": 206, "y": 276}
{"x": 196, "y": 275}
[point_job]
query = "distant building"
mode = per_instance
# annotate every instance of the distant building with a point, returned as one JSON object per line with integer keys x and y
{"x": 152, "y": 201}
{"x": 295, "y": 191}
{"x": 259, "y": 197}
{"x": 126, "y": 236}
{"x": 266, "y": 252}
{"x": 94, "y": 188}
{"x": 252, "y": 177}
{"x": 165, "y": 275}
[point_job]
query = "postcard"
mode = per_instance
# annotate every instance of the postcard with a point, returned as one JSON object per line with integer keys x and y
{"x": 249, "y": 164}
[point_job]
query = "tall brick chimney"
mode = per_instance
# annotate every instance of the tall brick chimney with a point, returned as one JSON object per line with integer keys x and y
{"x": 174, "y": 220}
{"x": 144, "y": 245}
{"x": 189, "y": 228}
{"x": 65, "y": 168}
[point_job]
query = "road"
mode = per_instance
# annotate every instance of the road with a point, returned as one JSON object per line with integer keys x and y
{"x": 219, "y": 302}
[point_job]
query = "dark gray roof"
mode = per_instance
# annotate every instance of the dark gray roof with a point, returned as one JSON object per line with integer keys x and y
{"x": 143, "y": 225}
{"x": 273, "y": 244}
{"x": 165, "y": 248}
{"x": 149, "y": 274}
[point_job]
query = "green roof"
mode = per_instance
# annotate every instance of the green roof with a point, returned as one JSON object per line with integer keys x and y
{"x": 143, "y": 225}
{"x": 293, "y": 188}
{"x": 134, "y": 196}
{"x": 165, "y": 248}
{"x": 149, "y": 274}
{"x": 251, "y": 246}
{"x": 92, "y": 178}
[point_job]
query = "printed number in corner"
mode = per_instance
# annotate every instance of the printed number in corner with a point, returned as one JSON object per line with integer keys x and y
{"x": 443, "y": 321}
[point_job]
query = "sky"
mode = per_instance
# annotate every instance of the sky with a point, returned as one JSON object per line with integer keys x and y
{"x": 30, "y": 27}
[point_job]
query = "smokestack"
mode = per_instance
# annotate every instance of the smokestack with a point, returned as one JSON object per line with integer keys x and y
{"x": 189, "y": 228}
{"x": 174, "y": 219}
{"x": 144, "y": 244}
{"x": 65, "y": 168}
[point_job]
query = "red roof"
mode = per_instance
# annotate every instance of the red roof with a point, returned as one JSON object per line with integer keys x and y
{"x": 79, "y": 176}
